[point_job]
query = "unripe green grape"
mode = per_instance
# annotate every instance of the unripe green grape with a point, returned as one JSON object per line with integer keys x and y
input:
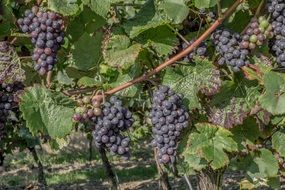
{"x": 259, "y": 43}
{"x": 80, "y": 110}
{"x": 253, "y": 39}
{"x": 86, "y": 99}
{"x": 97, "y": 111}
{"x": 264, "y": 24}
{"x": 252, "y": 46}
{"x": 261, "y": 18}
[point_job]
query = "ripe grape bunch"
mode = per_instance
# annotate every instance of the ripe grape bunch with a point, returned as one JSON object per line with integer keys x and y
{"x": 256, "y": 34}
{"x": 108, "y": 120}
{"x": 46, "y": 31}
{"x": 108, "y": 127}
{"x": 169, "y": 117}
{"x": 8, "y": 103}
{"x": 229, "y": 46}
{"x": 277, "y": 10}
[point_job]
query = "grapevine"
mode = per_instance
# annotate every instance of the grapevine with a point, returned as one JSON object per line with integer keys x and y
{"x": 114, "y": 92}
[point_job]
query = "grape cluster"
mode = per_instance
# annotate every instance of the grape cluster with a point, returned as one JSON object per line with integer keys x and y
{"x": 169, "y": 117}
{"x": 108, "y": 127}
{"x": 229, "y": 46}
{"x": 8, "y": 103}
{"x": 256, "y": 34}
{"x": 108, "y": 120}
{"x": 46, "y": 31}
{"x": 277, "y": 10}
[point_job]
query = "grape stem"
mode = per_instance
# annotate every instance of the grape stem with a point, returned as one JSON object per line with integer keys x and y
{"x": 219, "y": 8}
{"x": 39, "y": 2}
{"x": 49, "y": 79}
{"x": 178, "y": 34}
{"x": 177, "y": 57}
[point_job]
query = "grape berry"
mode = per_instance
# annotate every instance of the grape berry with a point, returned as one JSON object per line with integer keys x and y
{"x": 169, "y": 117}
{"x": 46, "y": 31}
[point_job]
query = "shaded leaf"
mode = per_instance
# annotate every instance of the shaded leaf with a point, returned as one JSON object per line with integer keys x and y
{"x": 87, "y": 51}
{"x": 145, "y": 19}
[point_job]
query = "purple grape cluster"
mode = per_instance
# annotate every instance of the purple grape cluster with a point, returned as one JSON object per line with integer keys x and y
{"x": 108, "y": 127}
{"x": 169, "y": 117}
{"x": 8, "y": 103}
{"x": 228, "y": 45}
{"x": 277, "y": 10}
{"x": 46, "y": 31}
{"x": 257, "y": 33}
{"x": 108, "y": 120}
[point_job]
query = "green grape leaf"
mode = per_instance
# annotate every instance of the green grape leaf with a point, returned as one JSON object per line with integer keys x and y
{"x": 267, "y": 165}
{"x": 274, "y": 98}
{"x": 120, "y": 53}
{"x": 176, "y": 10}
{"x": 64, "y": 7}
{"x": 162, "y": 39}
{"x": 189, "y": 79}
{"x": 212, "y": 143}
{"x": 205, "y": 3}
{"x": 87, "y": 21}
{"x": 278, "y": 142}
{"x": 147, "y": 18}
{"x": 233, "y": 103}
{"x": 7, "y": 20}
{"x": 101, "y": 7}
{"x": 86, "y": 52}
{"x": 47, "y": 112}
{"x": 63, "y": 78}
{"x": 247, "y": 133}
{"x": 125, "y": 76}
{"x": 88, "y": 82}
